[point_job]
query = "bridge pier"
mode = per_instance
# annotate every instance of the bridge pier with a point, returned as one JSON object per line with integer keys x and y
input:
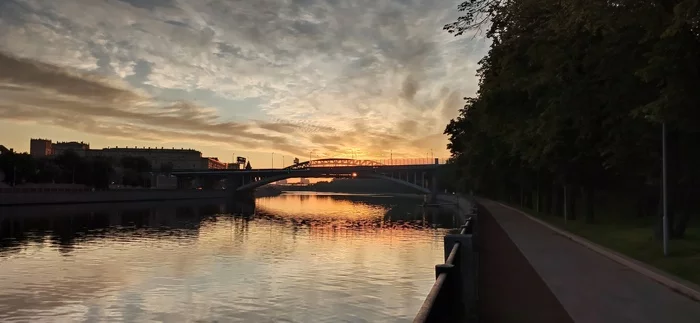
{"x": 246, "y": 196}
{"x": 433, "y": 182}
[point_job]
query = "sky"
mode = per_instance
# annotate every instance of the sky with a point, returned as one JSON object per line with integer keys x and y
{"x": 297, "y": 78}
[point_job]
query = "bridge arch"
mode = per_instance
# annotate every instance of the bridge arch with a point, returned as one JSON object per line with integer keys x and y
{"x": 334, "y": 162}
{"x": 271, "y": 179}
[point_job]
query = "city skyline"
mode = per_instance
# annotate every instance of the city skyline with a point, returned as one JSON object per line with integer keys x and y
{"x": 48, "y": 147}
{"x": 296, "y": 79}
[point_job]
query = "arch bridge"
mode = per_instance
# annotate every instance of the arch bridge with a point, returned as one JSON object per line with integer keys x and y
{"x": 335, "y": 162}
{"x": 420, "y": 176}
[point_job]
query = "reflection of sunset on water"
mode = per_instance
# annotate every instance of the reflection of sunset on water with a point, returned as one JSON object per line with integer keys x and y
{"x": 299, "y": 258}
{"x": 316, "y": 207}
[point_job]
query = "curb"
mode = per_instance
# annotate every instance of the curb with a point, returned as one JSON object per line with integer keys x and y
{"x": 671, "y": 283}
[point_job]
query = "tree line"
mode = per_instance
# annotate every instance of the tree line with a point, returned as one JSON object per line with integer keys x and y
{"x": 572, "y": 98}
{"x": 71, "y": 168}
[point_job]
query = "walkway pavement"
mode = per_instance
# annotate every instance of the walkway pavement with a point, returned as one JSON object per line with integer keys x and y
{"x": 510, "y": 290}
{"x": 589, "y": 286}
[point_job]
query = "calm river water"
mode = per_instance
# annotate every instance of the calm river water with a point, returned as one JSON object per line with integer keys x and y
{"x": 298, "y": 257}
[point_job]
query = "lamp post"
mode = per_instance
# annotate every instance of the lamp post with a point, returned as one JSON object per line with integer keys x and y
{"x": 664, "y": 219}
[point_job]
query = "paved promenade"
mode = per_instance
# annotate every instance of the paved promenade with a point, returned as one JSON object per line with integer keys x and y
{"x": 564, "y": 275}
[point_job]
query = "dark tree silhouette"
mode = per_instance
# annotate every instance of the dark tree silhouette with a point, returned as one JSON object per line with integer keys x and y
{"x": 572, "y": 95}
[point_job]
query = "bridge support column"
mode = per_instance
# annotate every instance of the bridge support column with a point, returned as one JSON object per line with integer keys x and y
{"x": 246, "y": 196}
{"x": 433, "y": 188}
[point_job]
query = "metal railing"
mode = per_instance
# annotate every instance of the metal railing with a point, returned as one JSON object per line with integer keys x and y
{"x": 453, "y": 296}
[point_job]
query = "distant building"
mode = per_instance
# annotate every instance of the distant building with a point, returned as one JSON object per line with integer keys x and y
{"x": 212, "y": 163}
{"x": 79, "y": 148}
{"x": 304, "y": 181}
{"x": 233, "y": 166}
{"x": 40, "y": 148}
{"x": 45, "y": 147}
{"x": 5, "y": 150}
{"x": 180, "y": 159}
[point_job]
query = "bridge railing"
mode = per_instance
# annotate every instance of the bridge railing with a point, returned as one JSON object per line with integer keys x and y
{"x": 453, "y": 297}
{"x": 410, "y": 161}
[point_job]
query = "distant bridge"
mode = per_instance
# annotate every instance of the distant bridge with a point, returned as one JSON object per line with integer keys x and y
{"x": 418, "y": 176}
{"x": 336, "y": 162}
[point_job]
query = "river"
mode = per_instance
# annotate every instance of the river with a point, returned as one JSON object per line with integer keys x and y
{"x": 297, "y": 257}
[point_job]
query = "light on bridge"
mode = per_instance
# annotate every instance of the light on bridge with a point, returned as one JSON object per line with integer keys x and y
{"x": 354, "y": 174}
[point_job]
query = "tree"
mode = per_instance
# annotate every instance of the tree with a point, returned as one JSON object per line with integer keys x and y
{"x": 48, "y": 171}
{"x": 572, "y": 95}
{"x": 69, "y": 162}
{"x": 18, "y": 168}
{"x": 247, "y": 166}
{"x": 102, "y": 171}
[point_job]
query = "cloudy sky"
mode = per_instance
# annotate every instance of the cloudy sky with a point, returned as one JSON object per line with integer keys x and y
{"x": 294, "y": 77}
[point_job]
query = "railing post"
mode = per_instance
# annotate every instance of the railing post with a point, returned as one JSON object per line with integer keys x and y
{"x": 465, "y": 274}
{"x": 445, "y": 308}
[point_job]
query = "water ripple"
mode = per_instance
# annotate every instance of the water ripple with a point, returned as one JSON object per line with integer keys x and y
{"x": 298, "y": 259}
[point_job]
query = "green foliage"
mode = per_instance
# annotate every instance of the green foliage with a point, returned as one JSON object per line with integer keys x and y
{"x": 68, "y": 167}
{"x": 572, "y": 93}
{"x": 135, "y": 171}
{"x": 18, "y": 168}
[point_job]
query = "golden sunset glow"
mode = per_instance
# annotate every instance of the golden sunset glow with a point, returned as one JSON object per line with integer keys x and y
{"x": 226, "y": 78}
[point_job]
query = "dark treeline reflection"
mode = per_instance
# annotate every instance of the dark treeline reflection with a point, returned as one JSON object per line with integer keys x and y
{"x": 66, "y": 225}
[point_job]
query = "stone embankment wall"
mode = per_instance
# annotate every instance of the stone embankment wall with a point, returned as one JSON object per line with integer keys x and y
{"x": 34, "y": 198}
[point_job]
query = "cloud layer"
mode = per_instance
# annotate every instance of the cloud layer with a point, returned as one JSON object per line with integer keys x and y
{"x": 264, "y": 75}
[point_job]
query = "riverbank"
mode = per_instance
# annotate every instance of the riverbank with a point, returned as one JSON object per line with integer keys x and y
{"x": 40, "y": 198}
{"x": 460, "y": 204}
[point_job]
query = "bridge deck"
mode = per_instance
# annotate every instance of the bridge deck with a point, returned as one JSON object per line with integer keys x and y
{"x": 589, "y": 286}
{"x": 277, "y": 171}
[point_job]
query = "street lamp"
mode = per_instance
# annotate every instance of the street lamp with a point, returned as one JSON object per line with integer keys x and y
{"x": 664, "y": 219}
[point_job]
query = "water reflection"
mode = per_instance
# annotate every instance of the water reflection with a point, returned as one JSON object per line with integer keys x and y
{"x": 310, "y": 258}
